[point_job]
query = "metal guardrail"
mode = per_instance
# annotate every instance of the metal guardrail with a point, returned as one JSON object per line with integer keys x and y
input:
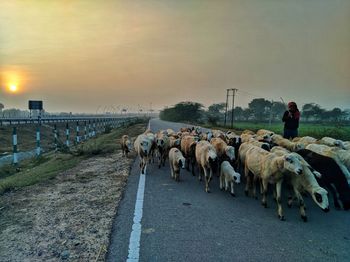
{"x": 60, "y": 119}
{"x": 85, "y": 128}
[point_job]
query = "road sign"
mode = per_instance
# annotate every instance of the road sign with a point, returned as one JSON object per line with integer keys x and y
{"x": 35, "y": 105}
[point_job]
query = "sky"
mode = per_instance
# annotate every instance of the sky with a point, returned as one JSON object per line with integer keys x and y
{"x": 90, "y": 56}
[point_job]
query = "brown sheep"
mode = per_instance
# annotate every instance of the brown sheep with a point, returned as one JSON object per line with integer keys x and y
{"x": 163, "y": 143}
{"x": 125, "y": 144}
{"x": 207, "y": 161}
{"x": 188, "y": 148}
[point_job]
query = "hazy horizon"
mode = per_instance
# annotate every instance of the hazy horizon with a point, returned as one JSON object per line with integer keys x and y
{"x": 79, "y": 55}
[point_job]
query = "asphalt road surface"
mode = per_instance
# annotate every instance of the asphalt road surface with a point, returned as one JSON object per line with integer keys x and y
{"x": 181, "y": 222}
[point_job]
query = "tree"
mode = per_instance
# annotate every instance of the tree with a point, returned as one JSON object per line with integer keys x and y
{"x": 336, "y": 114}
{"x": 247, "y": 113}
{"x": 277, "y": 109}
{"x": 260, "y": 108}
{"x": 313, "y": 110}
{"x": 238, "y": 113}
{"x": 183, "y": 111}
{"x": 215, "y": 113}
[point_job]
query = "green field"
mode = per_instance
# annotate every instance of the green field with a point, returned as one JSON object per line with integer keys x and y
{"x": 305, "y": 129}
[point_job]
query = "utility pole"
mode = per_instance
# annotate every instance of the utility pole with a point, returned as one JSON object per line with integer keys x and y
{"x": 226, "y": 106}
{"x": 230, "y": 92}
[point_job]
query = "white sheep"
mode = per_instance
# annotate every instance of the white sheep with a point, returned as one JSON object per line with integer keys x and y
{"x": 176, "y": 161}
{"x": 269, "y": 168}
{"x": 228, "y": 176}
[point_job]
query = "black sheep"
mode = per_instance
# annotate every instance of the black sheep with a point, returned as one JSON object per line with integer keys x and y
{"x": 331, "y": 175}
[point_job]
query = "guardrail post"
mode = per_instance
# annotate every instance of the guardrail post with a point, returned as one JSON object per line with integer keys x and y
{"x": 85, "y": 130}
{"x": 67, "y": 134}
{"x": 38, "y": 149}
{"x": 93, "y": 128}
{"x": 77, "y": 130}
{"x": 55, "y": 136}
{"x": 14, "y": 142}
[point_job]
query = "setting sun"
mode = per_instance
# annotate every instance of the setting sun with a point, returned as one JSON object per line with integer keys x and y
{"x": 13, "y": 88}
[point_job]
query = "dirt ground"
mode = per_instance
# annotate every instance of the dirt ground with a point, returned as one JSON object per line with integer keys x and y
{"x": 68, "y": 218}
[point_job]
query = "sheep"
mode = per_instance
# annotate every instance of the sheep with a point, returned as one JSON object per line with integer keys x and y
{"x": 152, "y": 139}
{"x": 329, "y": 141}
{"x": 305, "y": 181}
{"x": 223, "y": 151}
{"x": 207, "y": 136}
{"x": 174, "y": 142}
{"x": 263, "y": 145}
{"x": 269, "y": 168}
{"x": 263, "y": 138}
{"x": 207, "y": 161}
{"x": 331, "y": 175}
{"x": 170, "y": 132}
{"x": 262, "y": 132}
{"x": 176, "y": 161}
{"x": 236, "y": 142}
{"x": 248, "y": 132}
{"x": 228, "y": 176}
{"x": 188, "y": 148}
{"x": 125, "y": 144}
{"x": 219, "y": 133}
{"x": 347, "y": 145}
{"x": 143, "y": 146}
{"x": 342, "y": 161}
{"x": 247, "y": 137}
{"x": 162, "y": 142}
{"x": 286, "y": 143}
{"x": 305, "y": 140}
{"x": 241, "y": 155}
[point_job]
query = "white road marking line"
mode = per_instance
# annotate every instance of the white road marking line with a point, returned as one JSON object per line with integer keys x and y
{"x": 135, "y": 236}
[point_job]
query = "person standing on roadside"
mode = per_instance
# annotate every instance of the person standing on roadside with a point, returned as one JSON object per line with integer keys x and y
{"x": 291, "y": 121}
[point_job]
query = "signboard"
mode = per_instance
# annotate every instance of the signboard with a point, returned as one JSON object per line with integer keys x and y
{"x": 35, "y": 105}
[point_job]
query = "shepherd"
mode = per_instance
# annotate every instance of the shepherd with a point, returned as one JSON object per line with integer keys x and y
{"x": 291, "y": 121}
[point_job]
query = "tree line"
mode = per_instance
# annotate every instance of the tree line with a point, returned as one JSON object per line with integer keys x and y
{"x": 258, "y": 110}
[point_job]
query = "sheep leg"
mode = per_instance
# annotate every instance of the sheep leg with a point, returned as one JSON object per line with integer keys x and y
{"x": 172, "y": 171}
{"x": 264, "y": 194}
{"x": 221, "y": 181}
{"x": 254, "y": 186}
{"x": 207, "y": 180}
{"x": 193, "y": 164}
{"x": 246, "y": 174}
{"x": 200, "y": 172}
{"x": 301, "y": 204}
{"x": 177, "y": 179}
{"x": 232, "y": 189}
{"x": 279, "y": 205}
{"x": 226, "y": 184}
{"x": 187, "y": 164}
{"x": 335, "y": 197}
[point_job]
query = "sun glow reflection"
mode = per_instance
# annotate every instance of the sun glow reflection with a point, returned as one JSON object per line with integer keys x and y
{"x": 12, "y": 81}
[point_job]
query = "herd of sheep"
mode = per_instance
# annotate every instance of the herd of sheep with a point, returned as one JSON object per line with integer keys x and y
{"x": 305, "y": 164}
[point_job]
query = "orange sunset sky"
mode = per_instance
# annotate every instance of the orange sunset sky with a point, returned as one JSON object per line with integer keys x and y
{"x": 79, "y": 55}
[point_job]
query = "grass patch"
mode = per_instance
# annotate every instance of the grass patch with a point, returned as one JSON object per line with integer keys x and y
{"x": 46, "y": 167}
{"x": 305, "y": 129}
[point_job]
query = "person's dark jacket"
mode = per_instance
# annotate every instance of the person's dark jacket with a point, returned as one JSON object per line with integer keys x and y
{"x": 291, "y": 122}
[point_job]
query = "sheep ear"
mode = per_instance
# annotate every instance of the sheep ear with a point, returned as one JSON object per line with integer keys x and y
{"x": 317, "y": 174}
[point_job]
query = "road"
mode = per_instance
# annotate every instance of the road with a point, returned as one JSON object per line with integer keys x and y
{"x": 181, "y": 222}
